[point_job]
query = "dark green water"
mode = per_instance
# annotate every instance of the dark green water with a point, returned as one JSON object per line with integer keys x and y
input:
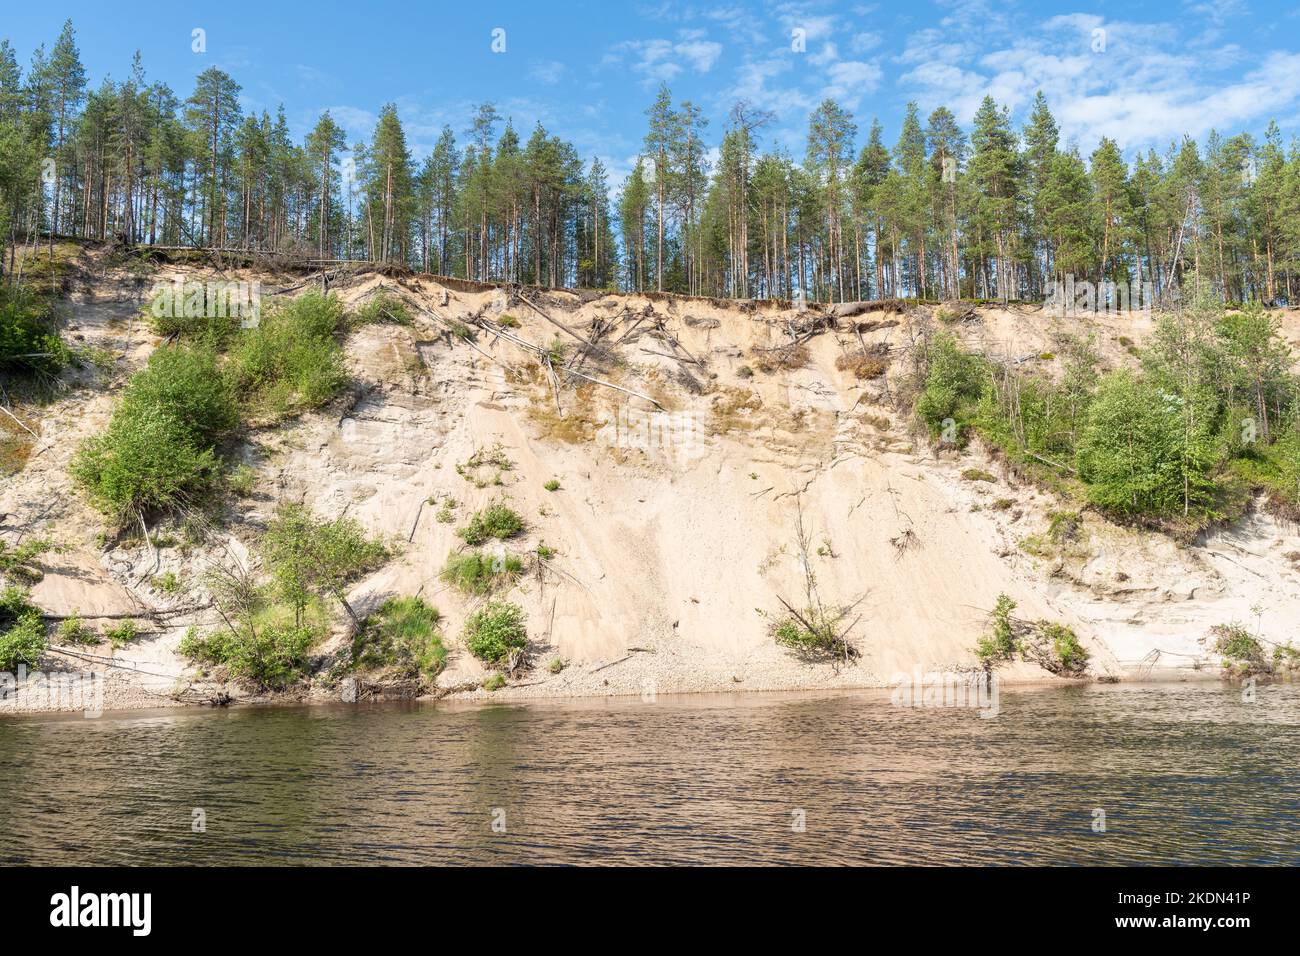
{"x": 1185, "y": 774}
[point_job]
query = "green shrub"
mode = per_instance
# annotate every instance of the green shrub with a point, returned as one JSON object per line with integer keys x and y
{"x": 1063, "y": 526}
{"x": 168, "y": 583}
{"x": 555, "y": 666}
{"x": 496, "y": 632}
{"x": 158, "y": 451}
{"x": 552, "y": 485}
{"x": 186, "y": 383}
{"x": 1237, "y": 646}
{"x": 273, "y": 656}
{"x": 19, "y": 562}
{"x": 979, "y": 474}
{"x": 384, "y": 307}
{"x": 309, "y": 557}
{"x": 1000, "y": 643}
{"x": 477, "y": 573}
{"x": 494, "y": 682}
{"x": 1069, "y": 653}
{"x": 22, "y": 630}
{"x": 144, "y": 461}
{"x": 122, "y": 634}
{"x": 242, "y": 480}
{"x": 291, "y": 362}
{"x": 1136, "y": 455}
{"x": 403, "y": 636}
{"x": 953, "y": 383}
{"x": 28, "y": 340}
{"x": 74, "y": 631}
{"x": 496, "y": 521}
{"x": 816, "y": 636}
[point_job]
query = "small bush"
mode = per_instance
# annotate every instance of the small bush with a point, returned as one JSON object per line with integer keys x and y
{"x": 479, "y": 573}
{"x": 1000, "y": 643}
{"x": 953, "y": 384}
{"x": 496, "y": 633}
{"x": 158, "y": 451}
{"x": 496, "y": 521}
{"x": 168, "y": 583}
{"x": 384, "y": 307}
{"x": 494, "y": 682}
{"x": 555, "y": 666}
{"x": 485, "y": 458}
{"x": 310, "y": 558}
{"x": 122, "y": 634}
{"x": 1063, "y": 526}
{"x": 403, "y": 636}
{"x": 29, "y": 343}
{"x": 815, "y": 637}
{"x": 552, "y": 485}
{"x": 19, "y": 563}
{"x": 144, "y": 461}
{"x": 186, "y": 316}
{"x": 1069, "y": 653}
{"x": 1237, "y": 646}
{"x": 22, "y": 630}
{"x": 242, "y": 481}
{"x": 273, "y": 656}
{"x": 74, "y": 631}
{"x": 862, "y": 366}
{"x": 291, "y": 362}
{"x": 979, "y": 474}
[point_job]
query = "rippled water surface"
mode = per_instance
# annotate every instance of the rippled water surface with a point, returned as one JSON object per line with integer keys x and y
{"x": 1184, "y": 773}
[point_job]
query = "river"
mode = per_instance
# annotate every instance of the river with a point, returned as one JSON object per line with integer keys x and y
{"x": 1157, "y": 773}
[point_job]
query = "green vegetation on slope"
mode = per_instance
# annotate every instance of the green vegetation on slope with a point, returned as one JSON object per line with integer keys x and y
{"x": 1213, "y": 414}
{"x": 162, "y": 447}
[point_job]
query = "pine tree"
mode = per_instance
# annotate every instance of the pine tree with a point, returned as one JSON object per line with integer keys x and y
{"x": 324, "y": 143}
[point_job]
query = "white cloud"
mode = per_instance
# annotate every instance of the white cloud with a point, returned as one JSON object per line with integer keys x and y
{"x": 549, "y": 72}
{"x": 1147, "y": 84}
{"x": 850, "y": 80}
{"x": 659, "y": 60}
{"x": 864, "y": 42}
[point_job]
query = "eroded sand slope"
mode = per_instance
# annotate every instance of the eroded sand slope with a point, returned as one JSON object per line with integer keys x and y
{"x": 675, "y": 527}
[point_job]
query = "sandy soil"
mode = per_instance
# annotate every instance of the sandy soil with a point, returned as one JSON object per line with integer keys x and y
{"x": 674, "y": 527}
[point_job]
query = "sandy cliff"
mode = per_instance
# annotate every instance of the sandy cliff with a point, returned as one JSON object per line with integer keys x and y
{"x": 675, "y": 527}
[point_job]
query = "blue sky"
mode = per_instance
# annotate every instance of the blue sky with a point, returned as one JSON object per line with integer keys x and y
{"x": 1141, "y": 71}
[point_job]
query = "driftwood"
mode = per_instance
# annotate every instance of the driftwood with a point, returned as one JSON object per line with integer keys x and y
{"x": 419, "y": 511}
{"x": 545, "y": 354}
{"x": 19, "y": 423}
{"x": 620, "y": 388}
{"x": 524, "y": 299}
{"x": 677, "y": 357}
{"x": 555, "y": 385}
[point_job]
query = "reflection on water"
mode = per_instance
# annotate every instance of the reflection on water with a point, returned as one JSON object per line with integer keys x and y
{"x": 1184, "y": 773}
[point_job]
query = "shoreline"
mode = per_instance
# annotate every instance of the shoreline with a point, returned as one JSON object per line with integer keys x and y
{"x": 319, "y": 698}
